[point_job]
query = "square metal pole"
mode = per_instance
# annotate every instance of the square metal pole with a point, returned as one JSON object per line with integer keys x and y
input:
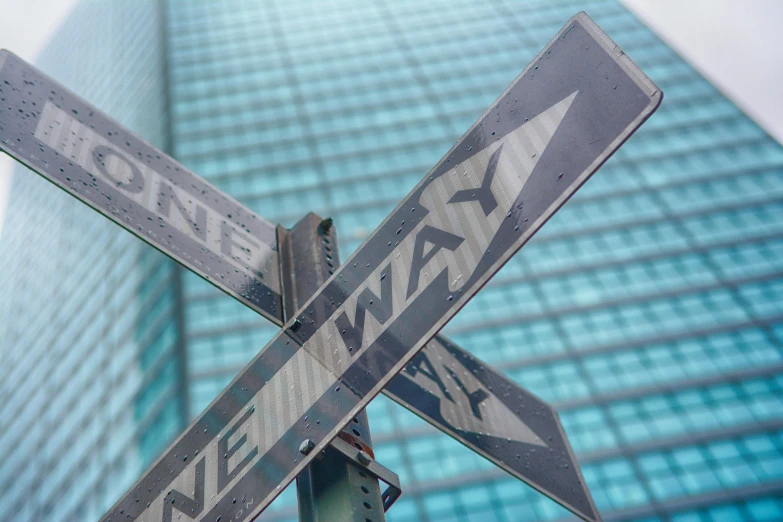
{"x": 332, "y": 488}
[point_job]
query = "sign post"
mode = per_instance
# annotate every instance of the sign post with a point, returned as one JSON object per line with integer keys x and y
{"x": 332, "y": 487}
{"x": 552, "y": 128}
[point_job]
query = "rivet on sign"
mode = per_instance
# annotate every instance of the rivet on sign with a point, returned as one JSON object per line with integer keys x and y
{"x": 306, "y": 447}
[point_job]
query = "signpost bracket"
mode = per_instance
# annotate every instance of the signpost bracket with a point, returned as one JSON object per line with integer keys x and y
{"x": 380, "y": 472}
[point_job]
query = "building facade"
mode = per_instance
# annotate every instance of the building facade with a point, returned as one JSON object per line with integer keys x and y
{"x": 649, "y": 310}
{"x": 90, "y": 388}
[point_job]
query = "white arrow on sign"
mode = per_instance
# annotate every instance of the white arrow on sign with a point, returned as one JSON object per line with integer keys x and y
{"x": 465, "y": 208}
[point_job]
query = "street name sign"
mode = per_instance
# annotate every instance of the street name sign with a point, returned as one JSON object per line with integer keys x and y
{"x": 569, "y": 110}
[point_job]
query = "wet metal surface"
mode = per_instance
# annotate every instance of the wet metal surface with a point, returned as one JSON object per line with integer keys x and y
{"x": 494, "y": 417}
{"x": 571, "y": 108}
{"x": 87, "y": 154}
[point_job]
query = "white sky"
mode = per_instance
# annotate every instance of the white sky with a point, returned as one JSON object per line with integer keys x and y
{"x": 25, "y": 27}
{"x": 736, "y": 43}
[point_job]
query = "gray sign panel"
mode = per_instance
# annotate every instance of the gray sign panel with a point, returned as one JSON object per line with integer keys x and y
{"x": 494, "y": 417}
{"x": 578, "y": 101}
{"x": 82, "y": 151}
{"x": 85, "y": 153}
{"x": 84, "y": 148}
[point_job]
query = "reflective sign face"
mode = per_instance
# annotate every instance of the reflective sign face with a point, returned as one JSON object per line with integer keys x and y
{"x": 81, "y": 150}
{"x": 555, "y": 125}
{"x": 494, "y": 417}
{"x": 78, "y": 144}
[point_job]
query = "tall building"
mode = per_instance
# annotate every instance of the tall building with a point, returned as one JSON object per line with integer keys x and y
{"x": 649, "y": 310}
{"x": 90, "y": 387}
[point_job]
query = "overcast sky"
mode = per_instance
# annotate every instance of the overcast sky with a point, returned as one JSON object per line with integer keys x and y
{"x": 25, "y": 27}
{"x": 738, "y": 44}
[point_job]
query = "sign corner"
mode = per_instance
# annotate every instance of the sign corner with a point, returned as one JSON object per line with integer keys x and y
{"x": 4, "y": 54}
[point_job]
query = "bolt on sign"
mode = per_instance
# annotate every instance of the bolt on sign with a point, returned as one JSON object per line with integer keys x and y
{"x": 552, "y": 128}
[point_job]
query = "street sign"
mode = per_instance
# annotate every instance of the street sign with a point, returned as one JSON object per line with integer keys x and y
{"x": 568, "y": 111}
{"x": 464, "y": 223}
{"x": 84, "y": 152}
{"x": 81, "y": 150}
{"x": 494, "y": 417}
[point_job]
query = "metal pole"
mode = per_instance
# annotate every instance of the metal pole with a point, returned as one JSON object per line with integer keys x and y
{"x": 331, "y": 489}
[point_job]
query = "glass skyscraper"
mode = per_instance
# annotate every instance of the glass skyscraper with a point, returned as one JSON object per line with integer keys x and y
{"x": 90, "y": 387}
{"x": 649, "y": 310}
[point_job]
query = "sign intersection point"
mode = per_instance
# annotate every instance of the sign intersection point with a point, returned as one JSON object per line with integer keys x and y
{"x": 552, "y": 128}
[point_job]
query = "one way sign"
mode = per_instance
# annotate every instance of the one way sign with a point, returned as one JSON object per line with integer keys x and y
{"x": 495, "y": 418}
{"x": 554, "y": 126}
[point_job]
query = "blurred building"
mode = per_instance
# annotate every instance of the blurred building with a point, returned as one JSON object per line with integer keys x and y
{"x": 90, "y": 387}
{"x": 649, "y": 310}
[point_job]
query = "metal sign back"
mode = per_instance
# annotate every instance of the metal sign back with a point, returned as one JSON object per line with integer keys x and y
{"x": 84, "y": 152}
{"x": 570, "y": 109}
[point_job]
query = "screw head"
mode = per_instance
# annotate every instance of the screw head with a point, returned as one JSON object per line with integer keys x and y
{"x": 306, "y": 447}
{"x": 364, "y": 457}
{"x": 325, "y": 225}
